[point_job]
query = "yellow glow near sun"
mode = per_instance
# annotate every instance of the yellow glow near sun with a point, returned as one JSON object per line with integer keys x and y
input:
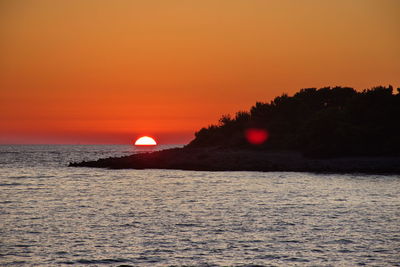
{"x": 145, "y": 141}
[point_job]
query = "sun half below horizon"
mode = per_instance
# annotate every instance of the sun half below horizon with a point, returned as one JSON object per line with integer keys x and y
{"x": 102, "y": 72}
{"x": 145, "y": 141}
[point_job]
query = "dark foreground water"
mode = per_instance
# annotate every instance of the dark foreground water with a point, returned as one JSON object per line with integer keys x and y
{"x": 54, "y": 215}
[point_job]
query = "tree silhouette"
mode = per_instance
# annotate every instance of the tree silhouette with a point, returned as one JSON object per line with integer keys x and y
{"x": 323, "y": 122}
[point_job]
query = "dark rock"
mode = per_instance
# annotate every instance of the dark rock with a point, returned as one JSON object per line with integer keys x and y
{"x": 214, "y": 159}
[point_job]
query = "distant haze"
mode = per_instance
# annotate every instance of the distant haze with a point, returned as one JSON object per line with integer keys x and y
{"x": 110, "y": 71}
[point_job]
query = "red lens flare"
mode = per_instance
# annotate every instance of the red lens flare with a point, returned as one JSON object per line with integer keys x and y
{"x": 256, "y": 136}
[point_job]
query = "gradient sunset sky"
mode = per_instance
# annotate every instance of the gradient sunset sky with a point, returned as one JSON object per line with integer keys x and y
{"x": 80, "y": 71}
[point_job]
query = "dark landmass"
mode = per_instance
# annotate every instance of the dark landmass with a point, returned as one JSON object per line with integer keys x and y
{"x": 215, "y": 159}
{"x": 317, "y": 130}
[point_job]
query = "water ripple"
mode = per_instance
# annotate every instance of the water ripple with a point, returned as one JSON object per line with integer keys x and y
{"x": 52, "y": 215}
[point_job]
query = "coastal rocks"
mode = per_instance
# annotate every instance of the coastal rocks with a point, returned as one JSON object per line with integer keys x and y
{"x": 214, "y": 159}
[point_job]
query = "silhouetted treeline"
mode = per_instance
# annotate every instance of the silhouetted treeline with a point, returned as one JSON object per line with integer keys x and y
{"x": 328, "y": 121}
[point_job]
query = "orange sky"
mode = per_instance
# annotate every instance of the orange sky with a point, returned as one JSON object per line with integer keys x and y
{"x": 93, "y": 71}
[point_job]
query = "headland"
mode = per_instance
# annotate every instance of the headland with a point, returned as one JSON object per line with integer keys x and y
{"x": 315, "y": 130}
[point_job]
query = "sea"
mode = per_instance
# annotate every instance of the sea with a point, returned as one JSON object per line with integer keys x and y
{"x": 55, "y": 215}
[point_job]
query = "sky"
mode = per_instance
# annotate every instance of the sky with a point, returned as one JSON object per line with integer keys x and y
{"x": 106, "y": 72}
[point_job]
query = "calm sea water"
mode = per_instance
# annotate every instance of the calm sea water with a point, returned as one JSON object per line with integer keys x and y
{"x": 55, "y": 215}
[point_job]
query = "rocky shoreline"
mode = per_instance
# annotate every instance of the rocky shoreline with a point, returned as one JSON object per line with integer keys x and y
{"x": 214, "y": 159}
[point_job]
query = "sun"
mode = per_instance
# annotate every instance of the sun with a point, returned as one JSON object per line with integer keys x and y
{"x": 145, "y": 141}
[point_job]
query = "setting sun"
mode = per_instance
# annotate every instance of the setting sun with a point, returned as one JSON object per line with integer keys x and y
{"x": 145, "y": 141}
